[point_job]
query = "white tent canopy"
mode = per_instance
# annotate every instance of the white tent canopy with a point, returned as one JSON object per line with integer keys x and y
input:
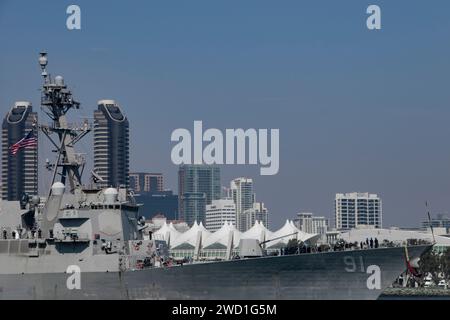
{"x": 287, "y": 232}
{"x": 222, "y": 236}
{"x": 258, "y": 232}
{"x": 191, "y": 235}
{"x": 167, "y": 233}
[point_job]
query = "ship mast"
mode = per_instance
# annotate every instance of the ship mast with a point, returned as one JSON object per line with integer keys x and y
{"x": 56, "y": 101}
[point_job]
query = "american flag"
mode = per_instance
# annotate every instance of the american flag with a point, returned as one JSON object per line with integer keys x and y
{"x": 30, "y": 140}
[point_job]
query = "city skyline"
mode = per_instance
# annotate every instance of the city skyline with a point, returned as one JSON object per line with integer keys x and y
{"x": 338, "y": 133}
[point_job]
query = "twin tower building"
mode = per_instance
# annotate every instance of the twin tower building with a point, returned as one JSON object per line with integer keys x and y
{"x": 20, "y": 170}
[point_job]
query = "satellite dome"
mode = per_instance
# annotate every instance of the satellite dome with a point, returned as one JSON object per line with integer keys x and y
{"x": 58, "y": 189}
{"x": 110, "y": 191}
{"x": 59, "y": 80}
{"x": 110, "y": 195}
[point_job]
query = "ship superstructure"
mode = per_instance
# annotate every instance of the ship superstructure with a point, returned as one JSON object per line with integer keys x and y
{"x": 85, "y": 242}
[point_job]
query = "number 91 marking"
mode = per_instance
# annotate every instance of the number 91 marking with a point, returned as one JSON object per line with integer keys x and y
{"x": 374, "y": 280}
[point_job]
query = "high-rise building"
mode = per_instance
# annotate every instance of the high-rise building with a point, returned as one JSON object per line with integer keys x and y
{"x": 198, "y": 185}
{"x": 219, "y": 212}
{"x": 358, "y": 209}
{"x": 20, "y": 170}
{"x": 258, "y": 212}
{"x": 309, "y": 223}
{"x": 243, "y": 197}
{"x": 142, "y": 182}
{"x": 193, "y": 207}
{"x": 111, "y": 144}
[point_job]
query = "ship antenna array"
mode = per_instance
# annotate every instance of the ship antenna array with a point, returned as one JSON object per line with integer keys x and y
{"x": 56, "y": 101}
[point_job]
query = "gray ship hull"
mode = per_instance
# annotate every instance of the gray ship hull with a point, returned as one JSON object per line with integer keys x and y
{"x": 355, "y": 274}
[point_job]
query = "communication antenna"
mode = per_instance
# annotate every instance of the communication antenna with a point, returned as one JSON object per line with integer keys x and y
{"x": 429, "y": 222}
{"x": 43, "y": 60}
{"x": 56, "y": 101}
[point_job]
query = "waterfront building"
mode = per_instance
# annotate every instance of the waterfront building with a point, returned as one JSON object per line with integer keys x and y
{"x": 198, "y": 243}
{"x": 157, "y": 227}
{"x": 167, "y": 232}
{"x": 19, "y": 170}
{"x": 189, "y": 243}
{"x": 280, "y": 238}
{"x": 308, "y": 222}
{"x": 198, "y": 186}
{"x": 219, "y": 212}
{"x": 244, "y": 197}
{"x": 221, "y": 244}
{"x": 111, "y": 144}
{"x": 258, "y": 212}
{"x": 258, "y": 232}
{"x": 358, "y": 209}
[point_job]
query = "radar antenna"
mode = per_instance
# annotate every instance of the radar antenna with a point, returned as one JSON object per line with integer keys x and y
{"x": 56, "y": 101}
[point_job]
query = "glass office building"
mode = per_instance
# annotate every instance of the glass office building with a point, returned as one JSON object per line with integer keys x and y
{"x": 198, "y": 185}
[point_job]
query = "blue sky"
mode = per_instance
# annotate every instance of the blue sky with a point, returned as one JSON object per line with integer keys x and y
{"x": 357, "y": 110}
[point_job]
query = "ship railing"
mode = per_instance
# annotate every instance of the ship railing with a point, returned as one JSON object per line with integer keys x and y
{"x": 77, "y": 126}
{"x": 383, "y": 244}
{"x": 72, "y": 237}
{"x": 138, "y": 262}
{"x": 130, "y": 262}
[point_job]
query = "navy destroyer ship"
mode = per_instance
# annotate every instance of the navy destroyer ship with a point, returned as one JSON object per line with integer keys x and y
{"x": 86, "y": 242}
